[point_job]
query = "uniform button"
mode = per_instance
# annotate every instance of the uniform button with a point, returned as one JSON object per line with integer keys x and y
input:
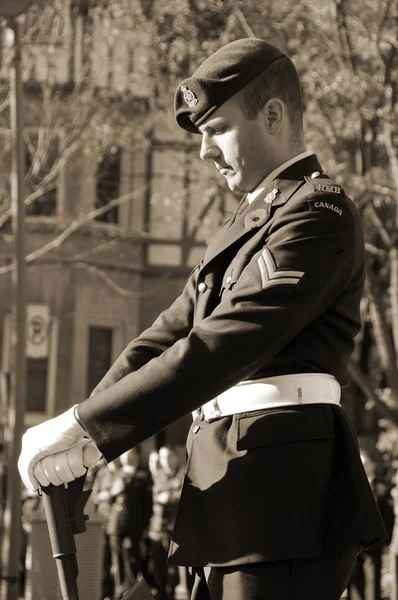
{"x": 202, "y": 287}
{"x": 229, "y": 279}
{"x": 315, "y": 174}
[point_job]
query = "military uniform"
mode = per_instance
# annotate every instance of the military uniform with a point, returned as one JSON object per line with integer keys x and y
{"x": 236, "y": 320}
{"x": 276, "y": 294}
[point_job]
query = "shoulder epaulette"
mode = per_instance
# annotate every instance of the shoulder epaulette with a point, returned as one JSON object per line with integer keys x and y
{"x": 324, "y": 185}
{"x": 325, "y": 195}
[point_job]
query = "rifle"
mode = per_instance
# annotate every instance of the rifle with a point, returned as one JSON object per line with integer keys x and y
{"x": 64, "y": 508}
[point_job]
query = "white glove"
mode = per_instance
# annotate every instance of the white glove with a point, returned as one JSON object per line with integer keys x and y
{"x": 50, "y": 437}
{"x": 66, "y": 466}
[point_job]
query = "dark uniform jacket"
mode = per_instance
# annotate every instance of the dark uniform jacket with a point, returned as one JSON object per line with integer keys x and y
{"x": 277, "y": 292}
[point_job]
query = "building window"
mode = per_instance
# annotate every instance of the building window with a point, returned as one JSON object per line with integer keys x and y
{"x": 99, "y": 358}
{"x": 120, "y": 54}
{"x": 187, "y": 204}
{"x": 36, "y": 384}
{"x": 108, "y": 175}
{"x": 48, "y": 35}
{"x": 41, "y": 154}
{"x": 167, "y": 194}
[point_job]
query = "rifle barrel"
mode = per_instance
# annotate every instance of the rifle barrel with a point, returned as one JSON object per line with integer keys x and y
{"x": 67, "y": 575}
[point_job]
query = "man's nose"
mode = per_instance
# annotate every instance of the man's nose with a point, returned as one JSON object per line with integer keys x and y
{"x": 208, "y": 149}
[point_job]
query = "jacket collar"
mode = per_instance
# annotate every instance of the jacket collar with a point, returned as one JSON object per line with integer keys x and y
{"x": 275, "y": 174}
{"x": 295, "y": 172}
{"x": 249, "y": 218}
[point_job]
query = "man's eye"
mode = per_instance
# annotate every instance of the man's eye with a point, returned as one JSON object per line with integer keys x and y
{"x": 219, "y": 130}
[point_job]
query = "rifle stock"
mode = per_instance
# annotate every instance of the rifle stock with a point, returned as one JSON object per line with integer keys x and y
{"x": 64, "y": 508}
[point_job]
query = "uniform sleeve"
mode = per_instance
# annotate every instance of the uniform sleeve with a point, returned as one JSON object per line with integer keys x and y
{"x": 171, "y": 325}
{"x": 306, "y": 263}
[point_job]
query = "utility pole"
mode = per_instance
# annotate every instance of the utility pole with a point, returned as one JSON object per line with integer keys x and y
{"x": 11, "y": 537}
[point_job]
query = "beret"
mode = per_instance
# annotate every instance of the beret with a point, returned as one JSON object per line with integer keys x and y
{"x": 219, "y": 77}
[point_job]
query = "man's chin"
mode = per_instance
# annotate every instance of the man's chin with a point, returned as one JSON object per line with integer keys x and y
{"x": 234, "y": 184}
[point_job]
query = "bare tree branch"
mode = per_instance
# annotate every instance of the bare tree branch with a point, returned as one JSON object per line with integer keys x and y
{"x": 391, "y": 153}
{"x": 344, "y": 33}
{"x": 367, "y": 388}
{"x": 381, "y": 332}
{"x": 384, "y": 13}
{"x": 74, "y": 226}
{"x": 394, "y": 296}
{"x": 243, "y": 22}
{"x": 48, "y": 181}
{"x": 106, "y": 279}
{"x": 382, "y": 231}
{"x": 373, "y": 250}
{"x": 104, "y": 246}
{"x": 292, "y": 14}
{"x": 72, "y": 141}
{"x": 391, "y": 40}
{"x": 205, "y": 209}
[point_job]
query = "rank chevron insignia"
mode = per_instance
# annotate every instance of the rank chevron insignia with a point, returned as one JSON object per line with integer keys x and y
{"x": 270, "y": 275}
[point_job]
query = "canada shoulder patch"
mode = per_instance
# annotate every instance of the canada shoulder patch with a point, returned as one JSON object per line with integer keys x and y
{"x": 318, "y": 204}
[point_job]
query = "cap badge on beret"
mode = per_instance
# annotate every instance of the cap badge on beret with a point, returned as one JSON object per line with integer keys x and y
{"x": 189, "y": 96}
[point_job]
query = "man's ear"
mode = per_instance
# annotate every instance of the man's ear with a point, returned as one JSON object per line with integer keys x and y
{"x": 274, "y": 113}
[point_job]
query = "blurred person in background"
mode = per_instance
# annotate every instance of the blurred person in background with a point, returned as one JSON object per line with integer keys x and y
{"x": 167, "y": 483}
{"x": 128, "y": 519}
{"x": 153, "y": 463}
{"x": 147, "y": 562}
{"x": 102, "y": 500}
{"x": 31, "y": 508}
{"x": 366, "y": 579}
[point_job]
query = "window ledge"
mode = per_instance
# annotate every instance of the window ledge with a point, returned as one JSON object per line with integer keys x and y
{"x": 106, "y": 226}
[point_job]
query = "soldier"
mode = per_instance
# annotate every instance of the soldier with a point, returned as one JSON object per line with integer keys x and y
{"x": 275, "y": 501}
{"x": 128, "y": 518}
{"x": 102, "y": 500}
{"x": 167, "y": 483}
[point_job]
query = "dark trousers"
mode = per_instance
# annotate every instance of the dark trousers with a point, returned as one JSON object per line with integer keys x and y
{"x": 302, "y": 579}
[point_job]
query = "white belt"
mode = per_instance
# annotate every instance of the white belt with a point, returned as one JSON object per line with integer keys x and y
{"x": 273, "y": 392}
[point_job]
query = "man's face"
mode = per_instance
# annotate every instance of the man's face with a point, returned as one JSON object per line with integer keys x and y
{"x": 239, "y": 147}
